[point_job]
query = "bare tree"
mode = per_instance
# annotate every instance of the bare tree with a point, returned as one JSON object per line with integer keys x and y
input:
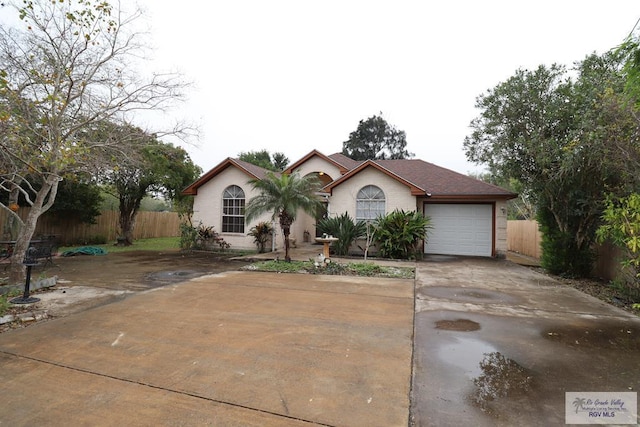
{"x": 65, "y": 70}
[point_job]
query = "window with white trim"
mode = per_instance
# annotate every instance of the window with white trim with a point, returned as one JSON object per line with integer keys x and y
{"x": 233, "y": 210}
{"x": 370, "y": 203}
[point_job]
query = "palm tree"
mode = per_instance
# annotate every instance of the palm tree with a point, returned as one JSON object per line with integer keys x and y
{"x": 283, "y": 195}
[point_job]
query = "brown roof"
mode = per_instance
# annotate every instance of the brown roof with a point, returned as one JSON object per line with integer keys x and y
{"x": 427, "y": 179}
{"x": 345, "y": 161}
{"x": 252, "y": 171}
{"x": 422, "y": 178}
{"x": 343, "y": 165}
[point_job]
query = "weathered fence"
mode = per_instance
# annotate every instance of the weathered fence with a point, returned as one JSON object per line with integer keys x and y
{"x": 524, "y": 237}
{"x": 148, "y": 225}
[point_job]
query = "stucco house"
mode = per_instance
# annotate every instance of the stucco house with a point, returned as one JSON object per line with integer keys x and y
{"x": 468, "y": 216}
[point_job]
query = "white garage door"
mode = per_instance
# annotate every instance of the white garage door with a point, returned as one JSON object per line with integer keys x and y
{"x": 460, "y": 229}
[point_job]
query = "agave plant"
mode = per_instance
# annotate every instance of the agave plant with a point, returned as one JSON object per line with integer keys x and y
{"x": 345, "y": 229}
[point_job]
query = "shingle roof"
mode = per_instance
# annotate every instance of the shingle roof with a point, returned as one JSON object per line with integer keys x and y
{"x": 424, "y": 178}
{"x": 439, "y": 181}
{"x": 345, "y": 161}
{"x": 343, "y": 164}
{"x": 252, "y": 171}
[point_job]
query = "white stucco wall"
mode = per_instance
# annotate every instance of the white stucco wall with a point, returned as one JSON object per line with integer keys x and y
{"x": 317, "y": 164}
{"x": 397, "y": 195}
{"x": 207, "y": 206}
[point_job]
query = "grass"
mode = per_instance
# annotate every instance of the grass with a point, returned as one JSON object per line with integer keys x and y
{"x": 334, "y": 268}
{"x": 157, "y": 244}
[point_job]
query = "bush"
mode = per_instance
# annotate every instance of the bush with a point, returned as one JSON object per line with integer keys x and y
{"x": 399, "y": 233}
{"x": 200, "y": 237}
{"x": 345, "y": 229}
{"x": 261, "y": 233}
{"x": 560, "y": 253}
{"x": 621, "y": 225}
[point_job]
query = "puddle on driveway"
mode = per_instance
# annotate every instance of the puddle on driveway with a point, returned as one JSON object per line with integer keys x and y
{"x": 609, "y": 336}
{"x": 500, "y": 377}
{"x": 494, "y": 376}
{"x": 461, "y": 379}
{"x": 462, "y": 325}
{"x": 466, "y": 354}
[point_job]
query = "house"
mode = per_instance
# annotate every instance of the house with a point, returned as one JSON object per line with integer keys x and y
{"x": 468, "y": 216}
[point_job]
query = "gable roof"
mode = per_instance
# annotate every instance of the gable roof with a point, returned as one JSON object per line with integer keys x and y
{"x": 415, "y": 189}
{"x": 422, "y": 178}
{"x": 426, "y": 179}
{"x": 251, "y": 170}
{"x": 343, "y": 165}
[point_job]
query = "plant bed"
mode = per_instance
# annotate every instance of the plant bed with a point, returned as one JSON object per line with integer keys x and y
{"x": 364, "y": 269}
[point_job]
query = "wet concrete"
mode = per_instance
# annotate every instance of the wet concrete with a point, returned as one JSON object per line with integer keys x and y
{"x": 536, "y": 340}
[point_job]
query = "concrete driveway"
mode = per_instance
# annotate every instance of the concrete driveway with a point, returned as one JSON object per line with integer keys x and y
{"x": 237, "y": 348}
{"x": 487, "y": 343}
{"x": 499, "y": 344}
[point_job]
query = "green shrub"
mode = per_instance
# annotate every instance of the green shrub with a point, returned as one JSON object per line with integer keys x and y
{"x": 399, "y": 234}
{"x": 561, "y": 254}
{"x": 188, "y": 235}
{"x": 345, "y": 229}
{"x": 621, "y": 225}
{"x": 200, "y": 237}
{"x": 261, "y": 233}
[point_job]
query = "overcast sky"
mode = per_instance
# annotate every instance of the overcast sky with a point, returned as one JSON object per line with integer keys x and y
{"x": 293, "y": 76}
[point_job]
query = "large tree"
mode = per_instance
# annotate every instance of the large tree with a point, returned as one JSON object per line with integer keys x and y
{"x": 65, "y": 67}
{"x": 560, "y": 134}
{"x": 376, "y": 139}
{"x": 277, "y": 163}
{"x": 153, "y": 168}
{"x": 283, "y": 195}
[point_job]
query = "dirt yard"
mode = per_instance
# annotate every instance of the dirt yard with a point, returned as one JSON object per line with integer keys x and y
{"x": 138, "y": 270}
{"x": 86, "y": 281}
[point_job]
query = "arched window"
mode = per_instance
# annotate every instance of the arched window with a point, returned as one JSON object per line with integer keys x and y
{"x": 233, "y": 210}
{"x": 369, "y": 203}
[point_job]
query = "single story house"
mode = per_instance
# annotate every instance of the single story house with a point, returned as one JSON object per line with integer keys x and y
{"x": 468, "y": 216}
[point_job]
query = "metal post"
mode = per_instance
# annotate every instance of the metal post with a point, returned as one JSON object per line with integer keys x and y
{"x": 30, "y": 260}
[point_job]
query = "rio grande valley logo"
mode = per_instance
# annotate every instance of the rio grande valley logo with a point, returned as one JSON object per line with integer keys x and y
{"x": 601, "y": 408}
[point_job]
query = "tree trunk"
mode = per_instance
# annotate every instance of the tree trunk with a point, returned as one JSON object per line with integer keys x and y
{"x": 43, "y": 201}
{"x": 285, "y": 224}
{"x": 127, "y": 221}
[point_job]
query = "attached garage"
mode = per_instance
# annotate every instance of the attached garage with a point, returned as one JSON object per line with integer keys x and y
{"x": 460, "y": 229}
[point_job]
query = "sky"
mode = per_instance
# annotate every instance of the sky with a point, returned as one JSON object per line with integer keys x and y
{"x": 292, "y": 76}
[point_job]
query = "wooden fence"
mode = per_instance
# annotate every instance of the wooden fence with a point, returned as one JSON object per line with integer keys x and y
{"x": 524, "y": 237}
{"x": 148, "y": 225}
